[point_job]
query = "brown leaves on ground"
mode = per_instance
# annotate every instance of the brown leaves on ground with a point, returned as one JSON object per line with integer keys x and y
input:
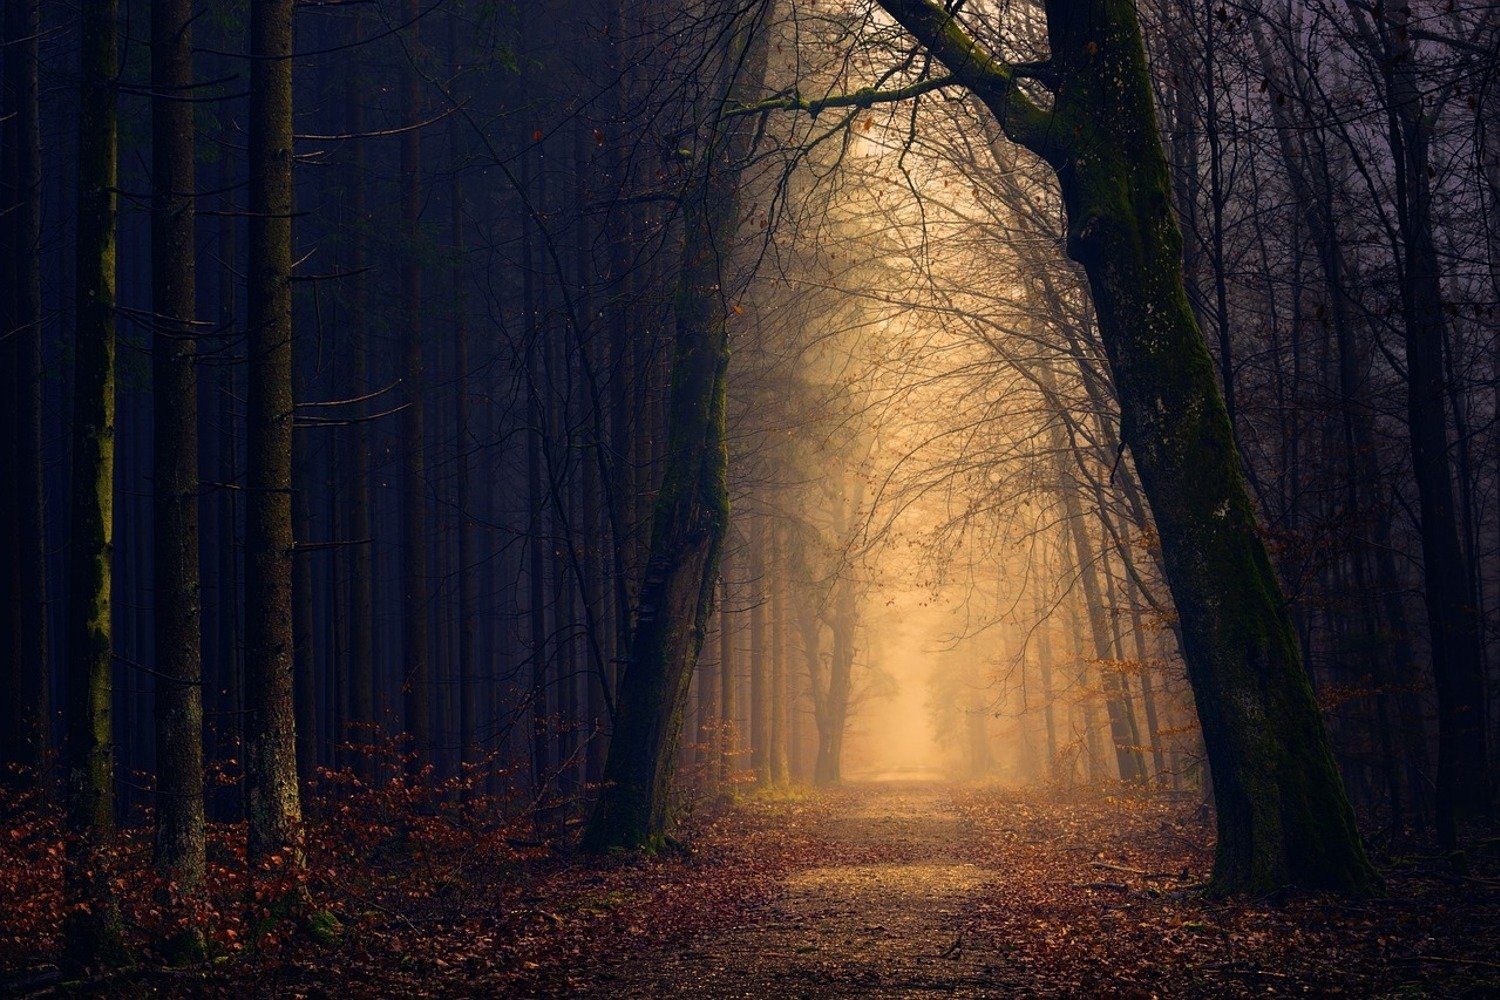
{"x": 849, "y": 891}
{"x": 1097, "y": 895}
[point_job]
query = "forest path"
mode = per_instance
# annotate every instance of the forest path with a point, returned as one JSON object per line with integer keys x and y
{"x": 882, "y": 913}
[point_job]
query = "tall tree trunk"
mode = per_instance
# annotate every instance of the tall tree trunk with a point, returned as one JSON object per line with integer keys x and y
{"x": 468, "y": 543}
{"x": 776, "y": 749}
{"x": 617, "y": 318}
{"x": 727, "y": 706}
{"x": 1122, "y": 726}
{"x": 1086, "y": 705}
{"x": 304, "y": 646}
{"x": 810, "y": 627}
{"x": 415, "y": 600}
{"x": 1463, "y": 788}
{"x": 830, "y": 763}
{"x": 229, "y": 653}
{"x": 92, "y": 929}
{"x": 180, "y": 851}
{"x": 1282, "y": 813}
{"x": 272, "y": 801}
{"x": 692, "y": 505}
{"x": 1311, "y": 184}
{"x": 536, "y": 499}
{"x": 760, "y": 698}
{"x": 795, "y": 685}
{"x": 23, "y": 590}
{"x": 1044, "y": 669}
{"x": 361, "y": 553}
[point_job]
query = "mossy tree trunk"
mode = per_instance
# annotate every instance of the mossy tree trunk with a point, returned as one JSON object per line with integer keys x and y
{"x": 23, "y": 607}
{"x": 92, "y": 930}
{"x": 1283, "y": 818}
{"x": 272, "y": 802}
{"x": 179, "y": 670}
{"x": 691, "y": 514}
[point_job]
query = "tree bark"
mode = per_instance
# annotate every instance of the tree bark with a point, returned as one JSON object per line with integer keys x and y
{"x": 1044, "y": 670}
{"x": 92, "y": 930}
{"x": 23, "y": 581}
{"x": 180, "y": 850}
{"x": 1282, "y": 813}
{"x": 468, "y": 542}
{"x": 1463, "y": 790}
{"x": 361, "y": 553}
{"x": 415, "y": 610}
{"x": 727, "y": 707}
{"x": 273, "y": 804}
{"x": 760, "y": 699}
{"x": 776, "y": 682}
{"x": 692, "y": 506}
{"x": 828, "y": 769}
{"x": 536, "y": 499}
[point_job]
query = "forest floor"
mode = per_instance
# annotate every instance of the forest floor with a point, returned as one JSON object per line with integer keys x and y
{"x": 889, "y": 888}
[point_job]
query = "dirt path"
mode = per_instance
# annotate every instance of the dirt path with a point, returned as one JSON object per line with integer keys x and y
{"x": 884, "y": 914}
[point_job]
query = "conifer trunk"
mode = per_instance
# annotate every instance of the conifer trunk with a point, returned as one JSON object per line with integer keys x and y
{"x": 361, "y": 553}
{"x": 180, "y": 857}
{"x": 272, "y": 801}
{"x": 727, "y": 707}
{"x": 92, "y": 930}
{"x": 415, "y": 681}
{"x": 760, "y": 700}
{"x": 776, "y": 749}
{"x": 23, "y": 606}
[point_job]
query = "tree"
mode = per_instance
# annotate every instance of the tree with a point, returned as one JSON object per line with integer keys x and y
{"x": 1448, "y": 582}
{"x": 759, "y": 661}
{"x": 23, "y": 581}
{"x": 415, "y": 604}
{"x": 776, "y": 660}
{"x": 179, "y": 671}
{"x": 272, "y": 798}
{"x": 692, "y": 506}
{"x": 93, "y": 930}
{"x": 361, "y": 558}
{"x": 1283, "y": 817}
{"x": 468, "y": 541}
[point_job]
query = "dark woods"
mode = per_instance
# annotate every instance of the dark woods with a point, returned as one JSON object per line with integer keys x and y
{"x": 454, "y": 427}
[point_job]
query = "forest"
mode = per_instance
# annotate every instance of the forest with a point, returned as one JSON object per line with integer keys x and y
{"x": 737, "y": 498}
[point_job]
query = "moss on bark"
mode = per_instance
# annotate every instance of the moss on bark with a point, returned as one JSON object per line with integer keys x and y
{"x": 692, "y": 507}
{"x": 93, "y": 932}
{"x": 1283, "y": 817}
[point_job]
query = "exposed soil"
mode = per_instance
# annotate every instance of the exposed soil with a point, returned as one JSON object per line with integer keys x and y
{"x": 887, "y": 912}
